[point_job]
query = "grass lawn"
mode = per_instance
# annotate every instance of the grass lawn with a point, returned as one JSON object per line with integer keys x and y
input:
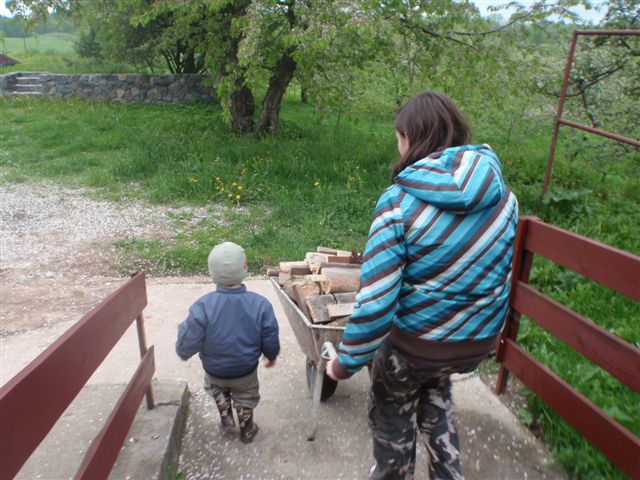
{"x": 51, "y": 52}
{"x": 314, "y": 185}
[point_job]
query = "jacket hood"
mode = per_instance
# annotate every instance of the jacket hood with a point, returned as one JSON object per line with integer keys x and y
{"x": 462, "y": 179}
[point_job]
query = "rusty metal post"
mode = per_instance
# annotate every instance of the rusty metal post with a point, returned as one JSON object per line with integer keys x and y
{"x": 556, "y": 125}
{"x": 563, "y": 96}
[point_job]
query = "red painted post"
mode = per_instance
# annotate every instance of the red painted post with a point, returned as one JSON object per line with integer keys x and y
{"x": 520, "y": 272}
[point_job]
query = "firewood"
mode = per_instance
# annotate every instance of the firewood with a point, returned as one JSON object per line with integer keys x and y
{"x": 342, "y": 279}
{"x": 330, "y": 251}
{"x": 340, "y": 310}
{"x": 283, "y": 278}
{"x": 338, "y": 265}
{"x": 299, "y": 298}
{"x": 339, "y": 259}
{"x": 300, "y": 269}
{"x": 346, "y": 297}
{"x": 315, "y": 259}
{"x": 318, "y": 308}
{"x": 286, "y": 266}
{"x": 273, "y": 272}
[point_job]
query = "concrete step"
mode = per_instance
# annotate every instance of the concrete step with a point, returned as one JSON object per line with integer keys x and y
{"x": 151, "y": 447}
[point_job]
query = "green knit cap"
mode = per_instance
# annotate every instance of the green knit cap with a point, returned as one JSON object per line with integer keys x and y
{"x": 227, "y": 264}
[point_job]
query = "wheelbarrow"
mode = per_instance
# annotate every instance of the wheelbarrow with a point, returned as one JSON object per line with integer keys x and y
{"x": 318, "y": 343}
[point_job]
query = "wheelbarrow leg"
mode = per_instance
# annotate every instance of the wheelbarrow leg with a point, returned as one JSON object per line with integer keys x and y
{"x": 315, "y": 398}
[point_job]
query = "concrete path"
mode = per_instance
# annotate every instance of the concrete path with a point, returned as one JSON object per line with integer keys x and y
{"x": 494, "y": 444}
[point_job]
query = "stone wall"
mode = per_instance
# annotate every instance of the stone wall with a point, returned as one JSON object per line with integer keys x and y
{"x": 119, "y": 87}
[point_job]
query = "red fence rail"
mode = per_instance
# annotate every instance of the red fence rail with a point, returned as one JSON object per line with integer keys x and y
{"x": 606, "y": 265}
{"x": 563, "y": 96}
{"x": 33, "y": 400}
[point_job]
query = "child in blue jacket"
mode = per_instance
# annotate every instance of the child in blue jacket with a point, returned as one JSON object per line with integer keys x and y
{"x": 230, "y": 328}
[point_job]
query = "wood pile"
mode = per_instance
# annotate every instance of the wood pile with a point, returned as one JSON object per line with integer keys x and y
{"x": 323, "y": 285}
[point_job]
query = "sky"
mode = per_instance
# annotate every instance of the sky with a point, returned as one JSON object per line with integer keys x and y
{"x": 592, "y": 15}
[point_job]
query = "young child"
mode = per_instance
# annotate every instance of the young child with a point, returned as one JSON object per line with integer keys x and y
{"x": 230, "y": 328}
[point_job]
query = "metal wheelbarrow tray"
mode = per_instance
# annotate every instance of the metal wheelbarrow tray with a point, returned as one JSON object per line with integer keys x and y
{"x": 311, "y": 337}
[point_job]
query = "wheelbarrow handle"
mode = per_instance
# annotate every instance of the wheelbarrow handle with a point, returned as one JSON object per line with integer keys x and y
{"x": 328, "y": 351}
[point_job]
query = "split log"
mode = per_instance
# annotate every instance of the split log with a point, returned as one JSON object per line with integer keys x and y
{"x": 300, "y": 269}
{"x": 327, "y": 250}
{"x": 342, "y": 279}
{"x": 287, "y": 266}
{"x": 299, "y": 298}
{"x": 314, "y": 260}
{"x": 340, "y": 310}
{"x": 347, "y": 297}
{"x": 273, "y": 272}
{"x": 283, "y": 278}
{"x": 318, "y": 308}
{"x": 338, "y": 265}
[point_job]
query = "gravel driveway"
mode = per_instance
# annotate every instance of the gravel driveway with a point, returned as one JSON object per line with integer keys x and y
{"x": 56, "y": 248}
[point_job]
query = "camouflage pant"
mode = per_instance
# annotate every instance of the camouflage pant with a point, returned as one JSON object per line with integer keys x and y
{"x": 401, "y": 398}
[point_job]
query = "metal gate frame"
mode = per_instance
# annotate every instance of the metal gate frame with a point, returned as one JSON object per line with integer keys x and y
{"x": 563, "y": 96}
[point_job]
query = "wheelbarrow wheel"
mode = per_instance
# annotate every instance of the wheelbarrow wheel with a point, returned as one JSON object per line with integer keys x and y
{"x": 329, "y": 385}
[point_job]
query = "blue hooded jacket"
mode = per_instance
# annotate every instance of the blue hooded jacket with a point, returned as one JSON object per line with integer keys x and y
{"x": 230, "y": 328}
{"x": 438, "y": 258}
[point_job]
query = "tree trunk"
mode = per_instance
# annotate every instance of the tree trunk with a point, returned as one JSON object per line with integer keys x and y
{"x": 242, "y": 108}
{"x": 241, "y": 105}
{"x": 278, "y": 83}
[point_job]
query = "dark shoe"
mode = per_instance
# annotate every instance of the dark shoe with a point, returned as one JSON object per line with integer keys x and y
{"x": 248, "y": 428}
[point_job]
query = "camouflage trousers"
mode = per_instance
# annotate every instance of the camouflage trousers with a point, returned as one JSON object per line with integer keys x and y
{"x": 404, "y": 399}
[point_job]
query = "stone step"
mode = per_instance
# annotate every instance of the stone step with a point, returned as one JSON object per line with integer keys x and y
{"x": 28, "y": 79}
{"x": 26, "y": 93}
{"x": 27, "y": 88}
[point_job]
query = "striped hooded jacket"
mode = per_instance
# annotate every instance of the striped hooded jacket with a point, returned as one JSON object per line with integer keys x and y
{"x": 437, "y": 261}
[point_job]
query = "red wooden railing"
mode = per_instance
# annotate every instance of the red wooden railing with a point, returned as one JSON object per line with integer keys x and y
{"x": 33, "y": 400}
{"x": 606, "y": 265}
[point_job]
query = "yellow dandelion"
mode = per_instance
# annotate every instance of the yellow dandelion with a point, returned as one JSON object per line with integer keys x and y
{"x": 233, "y": 184}
{"x": 317, "y": 184}
{"x": 221, "y": 189}
{"x": 230, "y": 195}
{"x": 237, "y": 197}
{"x": 239, "y": 187}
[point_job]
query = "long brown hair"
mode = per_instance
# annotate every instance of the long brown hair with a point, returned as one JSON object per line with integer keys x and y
{"x": 431, "y": 122}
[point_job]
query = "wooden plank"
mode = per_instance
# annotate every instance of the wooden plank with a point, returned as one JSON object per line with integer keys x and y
{"x": 611, "y": 438}
{"x": 33, "y": 400}
{"x": 273, "y": 272}
{"x": 619, "y": 358}
{"x": 613, "y": 268}
{"x": 317, "y": 307}
{"x": 104, "y": 450}
{"x": 340, "y": 310}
